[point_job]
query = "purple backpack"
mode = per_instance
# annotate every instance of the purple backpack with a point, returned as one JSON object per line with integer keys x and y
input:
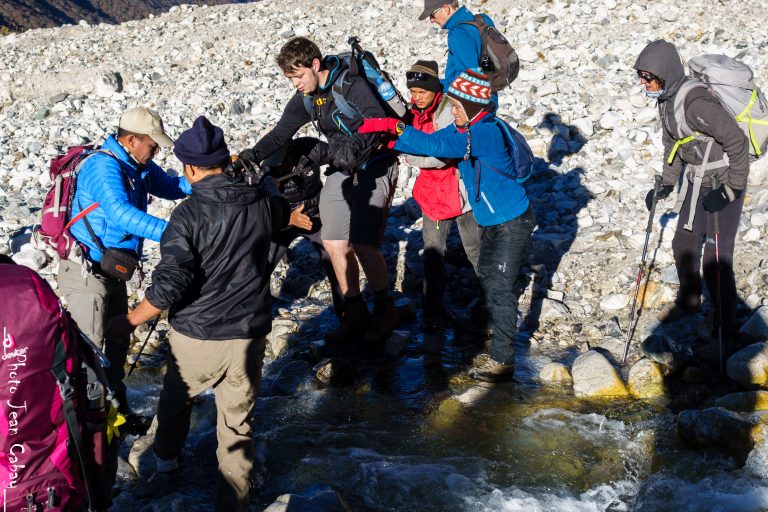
{"x": 57, "y": 206}
{"x": 53, "y": 404}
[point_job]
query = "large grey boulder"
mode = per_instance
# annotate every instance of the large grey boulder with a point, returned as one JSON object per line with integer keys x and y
{"x": 749, "y": 366}
{"x": 318, "y": 498}
{"x": 719, "y": 429}
{"x": 556, "y": 374}
{"x": 757, "y": 325}
{"x": 593, "y": 376}
{"x": 646, "y": 380}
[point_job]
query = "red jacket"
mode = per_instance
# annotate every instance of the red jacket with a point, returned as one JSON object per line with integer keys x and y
{"x": 436, "y": 190}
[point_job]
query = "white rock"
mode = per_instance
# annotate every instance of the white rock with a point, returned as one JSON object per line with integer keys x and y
{"x": 610, "y": 120}
{"x": 752, "y": 235}
{"x": 614, "y": 302}
{"x": 31, "y": 257}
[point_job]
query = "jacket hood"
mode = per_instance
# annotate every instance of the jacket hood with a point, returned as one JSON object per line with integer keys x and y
{"x": 223, "y": 188}
{"x": 335, "y": 66}
{"x": 661, "y": 58}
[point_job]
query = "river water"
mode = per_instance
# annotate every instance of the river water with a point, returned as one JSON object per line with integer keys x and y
{"x": 414, "y": 434}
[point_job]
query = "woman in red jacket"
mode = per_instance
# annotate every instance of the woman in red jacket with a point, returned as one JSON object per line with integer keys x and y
{"x": 439, "y": 192}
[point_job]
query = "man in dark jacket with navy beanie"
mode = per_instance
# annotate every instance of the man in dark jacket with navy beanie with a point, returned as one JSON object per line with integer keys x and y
{"x": 720, "y": 192}
{"x": 213, "y": 278}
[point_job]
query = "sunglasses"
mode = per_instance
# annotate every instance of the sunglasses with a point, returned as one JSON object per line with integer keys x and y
{"x": 432, "y": 15}
{"x": 648, "y": 77}
{"x": 418, "y": 76}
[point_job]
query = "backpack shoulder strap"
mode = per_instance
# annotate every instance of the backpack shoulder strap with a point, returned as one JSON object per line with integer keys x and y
{"x": 683, "y": 129}
{"x": 307, "y": 99}
{"x": 67, "y": 392}
{"x": 684, "y": 133}
{"x": 337, "y": 90}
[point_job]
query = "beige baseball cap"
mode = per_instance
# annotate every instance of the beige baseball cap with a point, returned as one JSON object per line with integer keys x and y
{"x": 144, "y": 121}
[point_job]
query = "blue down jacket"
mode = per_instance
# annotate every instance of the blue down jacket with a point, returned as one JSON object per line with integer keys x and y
{"x": 464, "y": 46}
{"x": 121, "y": 187}
{"x": 496, "y": 199}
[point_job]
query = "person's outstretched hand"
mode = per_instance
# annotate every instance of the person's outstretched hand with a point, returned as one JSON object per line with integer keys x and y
{"x": 299, "y": 219}
{"x": 382, "y": 125}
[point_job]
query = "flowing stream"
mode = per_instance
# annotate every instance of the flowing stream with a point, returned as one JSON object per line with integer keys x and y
{"x": 413, "y": 433}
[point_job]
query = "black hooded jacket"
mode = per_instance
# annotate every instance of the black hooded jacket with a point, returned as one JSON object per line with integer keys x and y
{"x": 358, "y": 94}
{"x": 704, "y": 114}
{"x": 213, "y": 268}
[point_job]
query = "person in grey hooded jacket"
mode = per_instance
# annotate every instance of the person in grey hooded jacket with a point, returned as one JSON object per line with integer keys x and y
{"x": 719, "y": 154}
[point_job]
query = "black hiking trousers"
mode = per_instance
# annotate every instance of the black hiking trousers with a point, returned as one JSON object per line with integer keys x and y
{"x": 687, "y": 248}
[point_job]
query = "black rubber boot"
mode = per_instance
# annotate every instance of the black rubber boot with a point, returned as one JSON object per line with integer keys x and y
{"x": 354, "y": 323}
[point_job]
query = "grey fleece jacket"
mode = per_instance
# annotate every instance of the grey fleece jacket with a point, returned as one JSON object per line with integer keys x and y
{"x": 703, "y": 113}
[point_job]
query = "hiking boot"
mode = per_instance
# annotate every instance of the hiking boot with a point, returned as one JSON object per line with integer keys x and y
{"x": 674, "y": 312}
{"x": 490, "y": 370}
{"x": 353, "y": 325}
{"x": 383, "y": 321}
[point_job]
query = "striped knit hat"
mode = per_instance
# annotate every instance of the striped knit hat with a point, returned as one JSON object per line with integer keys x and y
{"x": 473, "y": 90}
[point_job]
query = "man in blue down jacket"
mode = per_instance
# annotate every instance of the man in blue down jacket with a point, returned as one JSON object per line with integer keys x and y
{"x": 118, "y": 180}
{"x": 213, "y": 277}
{"x": 464, "y": 42}
{"x": 499, "y": 203}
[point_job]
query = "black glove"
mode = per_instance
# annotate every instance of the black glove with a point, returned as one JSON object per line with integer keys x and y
{"x": 320, "y": 154}
{"x": 664, "y": 192}
{"x": 250, "y": 155}
{"x": 344, "y": 157}
{"x": 717, "y": 199}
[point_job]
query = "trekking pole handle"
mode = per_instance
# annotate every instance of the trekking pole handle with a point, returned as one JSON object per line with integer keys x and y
{"x": 656, "y": 187}
{"x": 354, "y": 42}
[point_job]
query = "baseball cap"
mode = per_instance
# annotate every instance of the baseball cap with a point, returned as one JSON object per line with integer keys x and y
{"x": 144, "y": 121}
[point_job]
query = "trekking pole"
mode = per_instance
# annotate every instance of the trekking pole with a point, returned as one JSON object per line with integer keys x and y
{"x": 718, "y": 300}
{"x": 400, "y": 105}
{"x": 143, "y": 346}
{"x": 641, "y": 269}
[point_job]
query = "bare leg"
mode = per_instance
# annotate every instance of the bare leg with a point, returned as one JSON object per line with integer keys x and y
{"x": 345, "y": 265}
{"x": 374, "y": 266}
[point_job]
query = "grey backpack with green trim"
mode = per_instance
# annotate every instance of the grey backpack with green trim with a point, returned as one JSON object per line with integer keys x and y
{"x": 732, "y": 83}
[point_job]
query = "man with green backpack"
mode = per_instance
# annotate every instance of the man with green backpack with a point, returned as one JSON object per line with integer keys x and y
{"x": 707, "y": 152}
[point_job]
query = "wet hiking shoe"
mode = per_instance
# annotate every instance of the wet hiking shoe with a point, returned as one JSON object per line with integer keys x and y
{"x": 383, "y": 321}
{"x": 353, "y": 326}
{"x": 490, "y": 370}
{"x": 673, "y": 312}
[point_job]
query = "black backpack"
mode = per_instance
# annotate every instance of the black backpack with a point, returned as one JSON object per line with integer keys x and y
{"x": 497, "y": 58}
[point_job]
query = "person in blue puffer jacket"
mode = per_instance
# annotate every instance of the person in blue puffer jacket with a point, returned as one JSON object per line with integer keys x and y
{"x": 499, "y": 203}
{"x": 118, "y": 179}
{"x": 464, "y": 42}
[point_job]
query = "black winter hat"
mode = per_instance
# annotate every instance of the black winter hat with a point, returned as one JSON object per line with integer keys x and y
{"x": 424, "y": 75}
{"x": 202, "y": 145}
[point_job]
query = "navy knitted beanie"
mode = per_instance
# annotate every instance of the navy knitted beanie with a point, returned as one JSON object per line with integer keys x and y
{"x": 202, "y": 145}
